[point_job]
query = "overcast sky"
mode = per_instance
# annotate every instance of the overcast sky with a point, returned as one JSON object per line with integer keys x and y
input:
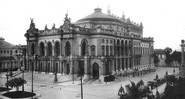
{"x": 162, "y": 19}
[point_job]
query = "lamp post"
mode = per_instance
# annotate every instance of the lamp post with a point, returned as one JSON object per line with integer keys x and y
{"x": 34, "y": 61}
{"x": 10, "y": 63}
{"x": 182, "y": 67}
{"x": 22, "y": 69}
{"x": 81, "y": 83}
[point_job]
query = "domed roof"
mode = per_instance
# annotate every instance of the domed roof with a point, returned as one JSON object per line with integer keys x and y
{"x": 98, "y": 16}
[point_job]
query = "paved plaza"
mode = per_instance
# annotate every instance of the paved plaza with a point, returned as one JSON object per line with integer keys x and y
{"x": 66, "y": 89}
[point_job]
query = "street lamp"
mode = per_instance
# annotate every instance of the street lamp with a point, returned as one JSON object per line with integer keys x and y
{"x": 182, "y": 68}
{"x": 34, "y": 61}
{"x": 81, "y": 83}
{"x": 22, "y": 69}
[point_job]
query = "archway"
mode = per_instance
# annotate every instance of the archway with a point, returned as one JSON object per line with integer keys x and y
{"x": 95, "y": 71}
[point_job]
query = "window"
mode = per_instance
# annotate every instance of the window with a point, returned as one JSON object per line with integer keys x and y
{"x": 57, "y": 48}
{"x": 103, "y": 50}
{"x": 49, "y": 49}
{"x": 42, "y": 49}
{"x": 103, "y": 41}
{"x": 110, "y": 41}
{"x": 68, "y": 49}
{"x": 93, "y": 52}
{"x": 111, "y": 50}
{"x": 5, "y": 51}
{"x": 107, "y": 41}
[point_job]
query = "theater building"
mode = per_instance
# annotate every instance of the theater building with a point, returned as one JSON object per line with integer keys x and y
{"x": 96, "y": 45}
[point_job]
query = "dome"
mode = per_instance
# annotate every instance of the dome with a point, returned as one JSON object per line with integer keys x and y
{"x": 98, "y": 16}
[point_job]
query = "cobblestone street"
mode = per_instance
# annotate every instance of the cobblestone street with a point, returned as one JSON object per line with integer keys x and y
{"x": 95, "y": 90}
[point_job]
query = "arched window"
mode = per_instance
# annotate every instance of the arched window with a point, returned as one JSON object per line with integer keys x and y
{"x": 84, "y": 47}
{"x": 122, "y": 45}
{"x": 49, "y": 49}
{"x": 57, "y": 48}
{"x": 126, "y": 48}
{"x": 93, "y": 50}
{"x": 115, "y": 48}
{"x": 32, "y": 49}
{"x": 68, "y": 49}
{"x": 107, "y": 50}
{"x": 118, "y": 47}
{"x": 103, "y": 50}
{"x": 42, "y": 49}
{"x": 111, "y": 50}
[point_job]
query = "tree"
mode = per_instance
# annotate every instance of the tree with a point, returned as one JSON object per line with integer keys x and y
{"x": 156, "y": 59}
{"x": 176, "y": 56}
{"x": 16, "y": 82}
{"x": 167, "y": 51}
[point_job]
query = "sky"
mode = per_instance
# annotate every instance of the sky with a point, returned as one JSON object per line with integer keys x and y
{"x": 164, "y": 20}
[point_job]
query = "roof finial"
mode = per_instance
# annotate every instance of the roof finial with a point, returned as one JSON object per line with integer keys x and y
{"x": 108, "y": 11}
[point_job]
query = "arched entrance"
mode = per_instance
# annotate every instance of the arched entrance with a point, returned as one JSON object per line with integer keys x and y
{"x": 95, "y": 71}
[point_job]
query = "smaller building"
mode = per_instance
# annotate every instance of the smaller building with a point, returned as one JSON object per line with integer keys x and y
{"x": 161, "y": 56}
{"x": 11, "y": 57}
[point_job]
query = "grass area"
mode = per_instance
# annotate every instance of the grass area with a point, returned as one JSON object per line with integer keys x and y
{"x": 19, "y": 94}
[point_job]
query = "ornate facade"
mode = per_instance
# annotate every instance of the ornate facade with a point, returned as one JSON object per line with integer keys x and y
{"x": 97, "y": 45}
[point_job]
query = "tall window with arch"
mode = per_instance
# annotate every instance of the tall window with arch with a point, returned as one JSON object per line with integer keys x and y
{"x": 32, "y": 49}
{"x": 57, "y": 48}
{"x": 111, "y": 50}
{"x": 68, "y": 49}
{"x": 103, "y": 50}
{"x": 49, "y": 49}
{"x": 84, "y": 47}
{"x": 107, "y": 50}
{"x": 41, "y": 49}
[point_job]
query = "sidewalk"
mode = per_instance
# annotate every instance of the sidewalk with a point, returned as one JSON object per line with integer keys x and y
{"x": 67, "y": 79}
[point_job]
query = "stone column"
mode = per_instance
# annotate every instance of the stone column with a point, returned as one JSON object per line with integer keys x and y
{"x": 129, "y": 63}
{"x": 116, "y": 65}
{"x": 86, "y": 67}
{"x": 71, "y": 66}
{"x": 112, "y": 67}
{"x": 63, "y": 66}
{"x": 121, "y": 69}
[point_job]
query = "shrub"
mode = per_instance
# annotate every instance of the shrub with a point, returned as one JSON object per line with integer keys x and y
{"x": 109, "y": 78}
